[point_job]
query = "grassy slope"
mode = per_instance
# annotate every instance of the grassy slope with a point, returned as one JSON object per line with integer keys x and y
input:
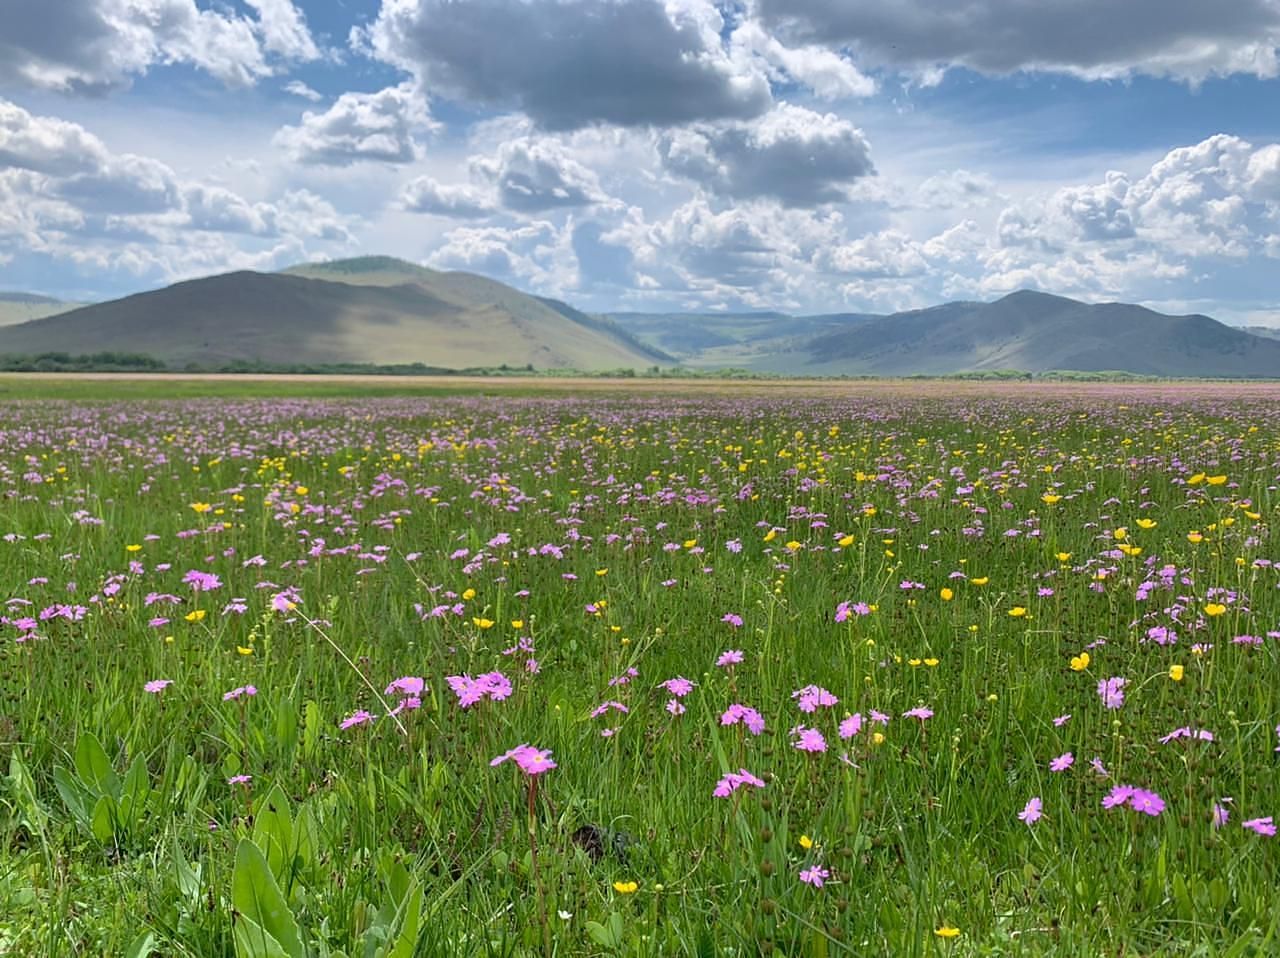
{"x": 21, "y": 307}
{"x": 377, "y": 316}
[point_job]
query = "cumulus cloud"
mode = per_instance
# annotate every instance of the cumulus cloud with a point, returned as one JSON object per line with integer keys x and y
{"x": 792, "y": 154}
{"x": 377, "y": 127}
{"x": 573, "y": 63}
{"x": 1185, "y": 39}
{"x": 64, "y": 193}
{"x": 427, "y": 195}
{"x": 93, "y": 46}
{"x": 300, "y": 89}
{"x": 827, "y": 73}
{"x": 520, "y": 253}
{"x": 533, "y": 175}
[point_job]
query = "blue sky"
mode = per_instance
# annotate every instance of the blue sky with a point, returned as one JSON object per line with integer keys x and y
{"x": 802, "y": 155}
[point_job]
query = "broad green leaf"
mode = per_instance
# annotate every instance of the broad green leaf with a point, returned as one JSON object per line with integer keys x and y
{"x": 256, "y": 896}
{"x": 73, "y": 795}
{"x": 142, "y": 947}
{"x": 188, "y": 877}
{"x": 134, "y": 793}
{"x": 253, "y": 941}
{"x": 94, "y": 768}
{"x": 103, "y": 823}
{"x": 410, "y": 924}
{"x": 273, "y": 830}
{"x": 311, "y": 729}
{"x": 23, "y": 790}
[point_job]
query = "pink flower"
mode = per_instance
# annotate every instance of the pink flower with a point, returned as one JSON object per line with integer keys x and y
{"x": 1111, "y": 691}
{"x": 744, "y": 714}
{"x": 244, "y": 690}
{"x": 239, "y": 779}
{"x": 733, "y": 619}
{"x": 675, "y": 707}
{"x": 1118, "y": 795}
{"x": 851, "y": 726}
{"x": 1062, "y": 762}
{"x": 1033, "y": 811}
{"x": 156, "y": 686}
{"x": 732, "y": 657}
{"x": 606, "y": 706}
{"x": 733, "y": 781}
{"x": 408, "y": 686}
{"x": 814, "y": 875}
{"x": 491, "y": 685}
{"x": 679, "y": 686}
{"x": 532, "y": 761}
{"x": 1149, "y": 803}
{"x": 811, "y": 697}
{"x": 809, "y": 739}
{"x": 1061, "y": 720}
{"x": 919, "y": 712}
{"x": 1220, "y": 815}
{"x": 1263, "y": 826}
{"x": 355, "y": 718}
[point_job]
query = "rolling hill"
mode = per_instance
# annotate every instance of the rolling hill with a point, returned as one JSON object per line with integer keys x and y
{"x": 1037, "y": 332}
{"x": 21, "y": 307}
{"x": 371, "y": 310}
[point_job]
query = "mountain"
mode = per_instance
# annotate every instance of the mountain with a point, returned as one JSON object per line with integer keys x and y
{"x": 369, "y": 310}
{"x": 710, "y": 340}
{"x": 20, "y": 307}
{"x": 1034, "y": 332}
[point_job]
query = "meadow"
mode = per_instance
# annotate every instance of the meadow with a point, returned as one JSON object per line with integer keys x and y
{"x": 911, "y": 670}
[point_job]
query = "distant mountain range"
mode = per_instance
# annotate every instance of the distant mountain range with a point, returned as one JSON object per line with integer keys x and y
{"x": 386, "y": 311}
{"x": 20, "y": 307}
{"x": 370, "y": 310}
{"x": 1028, "y": 331}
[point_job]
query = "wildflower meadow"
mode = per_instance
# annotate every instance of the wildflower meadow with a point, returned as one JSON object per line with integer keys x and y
{"x": 908, "y": 671}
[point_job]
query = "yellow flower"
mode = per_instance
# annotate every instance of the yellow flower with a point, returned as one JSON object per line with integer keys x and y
{"x": 1063, "y": 556}
{"x": 201, "y": 507}
{"x": 301, "y": 490}
{"x": 1216, "y": 480}
{"x": 690, "y": 543}
{"x": 1080, "y": 662}
{"x": 468, "y": 595}
{"x": 132, "y": 548}
{"x": 793, "y": 545}
{"x": 244, "y": 650}
{"x": 1121, "y": 534}
{"x": 1195, "y": 538}
{"x": 1176, "y": 672}
{"x": 517, "y": 623}
{"x": 914, "y": 662}
{"x": 625, "y": 887}
{"x": 771, "y": 535}
{"x": 931, "y": 662}
{"x": 1196, "y": 479}
{"x": 869, "y": 511}
{"x": 480, "y": 623}
{"x": 1214, "y": 609}
{"x": 195, "y": 615}
{"x": 806, "y": 842}
{"x": 946, "y": 931}
{"x": 1146, "y": 523}
{"x": 981, "y": 580}
{"x": 602, "y": 572}
{"x": 877, "y": 738}
{"x": 845, "y": 542}
{"x": 946, "y": 594}
{"x": 1049, "y": 498}
{"x": 1017, "y": 612}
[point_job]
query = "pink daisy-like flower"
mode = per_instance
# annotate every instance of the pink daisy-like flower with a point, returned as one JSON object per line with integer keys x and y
{"x": 1062, "y": 762}
{"x": 733, "y": 781}
{"x": 156, "y": 686}
{"x": 532, "y": 761}
{"x": 809, "y": 739}
{"x": 732, "y": 657}
{"x": 1262, "y": 826}
{"x": 1033, "y": 811}
{"x": 814, "y": 875}
{"x": 851, "y": 726}
{"x": 355, "y": 718}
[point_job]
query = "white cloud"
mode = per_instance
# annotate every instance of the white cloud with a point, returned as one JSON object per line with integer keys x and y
{"x": 358, "y": 127}
{"x": 1094, "y": 39}
{"x": 828, "y": 74}
{"x": 427, "y": 195}
{"x": 573, "y": 63}
{"x": 300, "y": 89}
{"x": 537, "y": 174}
{"x": 792, "y": 154}
{"x": 98, "y": 45}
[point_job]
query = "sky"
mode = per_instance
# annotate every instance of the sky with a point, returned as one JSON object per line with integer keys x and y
{"x": 795, "y": 155}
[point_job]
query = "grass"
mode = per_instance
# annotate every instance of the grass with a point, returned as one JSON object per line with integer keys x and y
{"x": 619, "y": 542}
